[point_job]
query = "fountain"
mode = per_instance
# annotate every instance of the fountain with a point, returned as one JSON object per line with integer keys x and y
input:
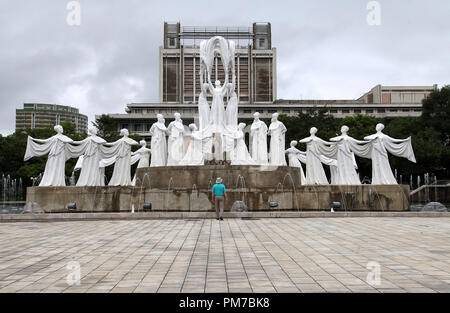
{"x": 223, "y": 153}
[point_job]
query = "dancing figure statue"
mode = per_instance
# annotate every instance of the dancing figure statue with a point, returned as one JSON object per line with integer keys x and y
{"x": 204, "y": 111}
{"x": 294, "y": 157}
{"x": 381, "y": 144}
{"x": 194, "y": 154}
{"x": 120, "y": 151}
{"x": 231, "y": 112}
{"x": 347, "y": 147}
{"x": 277, "y": 132}
{"x": 258, "y": 140}
{"x": 175, "y": 141}
{"x": 56, "y": 148}
{"x": 158, "y": 131}
{"x": 239, "y": 154}
{"x": 319, "y": 151}
{"x": 142, "y": 157}
{"x": 90, "y": 152}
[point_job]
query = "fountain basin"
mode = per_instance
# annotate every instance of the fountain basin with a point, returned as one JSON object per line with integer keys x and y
{"x": 188, "y": 189}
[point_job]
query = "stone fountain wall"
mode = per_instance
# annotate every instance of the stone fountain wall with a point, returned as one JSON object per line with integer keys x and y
{"x": 188, "y": 189}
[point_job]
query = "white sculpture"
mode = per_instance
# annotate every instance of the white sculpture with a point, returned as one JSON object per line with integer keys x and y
{"x": 316, "y": 149}
{"x": 175, "y": 141}
{"x": 239, "y": 154}
{"x": 194, "y": 154}
{"x": 90, "y": 152}
{"x": 56, "y": 148}
{"x": 277, "y": 132}
{"x": 222, "y": 124}
{"x": 121, "y": 151}
{"x": 158, "y": 131}
{"x": 347, "y": 147}
{"x": 258, "y": 140}
{"x": 203, "y": 108}
{"x": 232, "y": 108}
{"x": 217, "y": 107}
{"x": 381, "y": 144}
{"x": 294, "y": 157}
{"x": 142, "y": 155}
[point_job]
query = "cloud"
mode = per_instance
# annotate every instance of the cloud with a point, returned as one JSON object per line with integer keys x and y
{"x": 325, "y": 49}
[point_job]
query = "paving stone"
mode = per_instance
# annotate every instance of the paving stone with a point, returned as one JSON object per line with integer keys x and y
{"x": 262, "y": 256}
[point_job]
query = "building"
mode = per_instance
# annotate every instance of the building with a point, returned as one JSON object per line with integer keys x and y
{"x": 397, "y": 94}
{"x": 256, "y": 82}
{"x": 41, "y": 115}
{"x": 179, "y": 62}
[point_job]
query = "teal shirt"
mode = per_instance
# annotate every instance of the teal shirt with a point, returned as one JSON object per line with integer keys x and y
{"x": 219, "y": 190}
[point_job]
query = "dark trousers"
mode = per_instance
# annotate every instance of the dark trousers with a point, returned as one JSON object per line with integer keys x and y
{"x": 219, "y": 203}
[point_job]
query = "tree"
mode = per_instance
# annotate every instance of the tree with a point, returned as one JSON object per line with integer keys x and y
{"x": 299, "y": 126}
{"x": 107, "y": 128}
{"x": 436, "y": 112}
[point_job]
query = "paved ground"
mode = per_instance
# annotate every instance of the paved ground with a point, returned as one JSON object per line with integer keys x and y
{"x": 235, "y": 255}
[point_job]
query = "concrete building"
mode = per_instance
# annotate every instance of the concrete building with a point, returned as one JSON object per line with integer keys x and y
{"x": 42, "y": 115}
{"x": 256, "y": 82}
{"x": 179, "y": 62}
{"x": 386, "y": 95}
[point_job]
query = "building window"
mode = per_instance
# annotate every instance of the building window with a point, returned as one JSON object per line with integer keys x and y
{"x": 357, "y": 111}
{"x": 172, "y": 42}
{"x": 345, "y": 111}
{"x": 170, "y": 79}
{"x": 381, "y": 110}
{"x": 262, "y": 43}
{"x": 262, "y": 79}
{"x": 369, "y": 111}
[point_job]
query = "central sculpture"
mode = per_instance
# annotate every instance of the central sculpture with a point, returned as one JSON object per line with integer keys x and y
{"x": 218, "y": 126}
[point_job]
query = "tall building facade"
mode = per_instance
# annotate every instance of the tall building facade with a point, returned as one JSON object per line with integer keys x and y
{"x": 179, "y": 62}
{"x": 42, "y": 115}
{"x": 179, "y": 66}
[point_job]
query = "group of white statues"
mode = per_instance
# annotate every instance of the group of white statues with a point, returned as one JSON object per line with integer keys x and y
{"x": 174, "y": 146}
{"x": 218, "y": 137}
{"x": 339, "y": 154}
{"x": 93, "y": 153}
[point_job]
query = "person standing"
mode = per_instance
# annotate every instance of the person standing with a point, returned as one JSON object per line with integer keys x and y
{"x": 219, "y": 196}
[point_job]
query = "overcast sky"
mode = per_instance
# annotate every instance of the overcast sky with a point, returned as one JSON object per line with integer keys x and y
{"x": 326, "y": 49}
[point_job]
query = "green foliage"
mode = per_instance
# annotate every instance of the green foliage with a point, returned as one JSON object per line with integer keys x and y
{"x": 107, "y": 128}
{"x": 299, "y": 126}
{"x": 12, "y": 151}
{"x": 436, "y": 112}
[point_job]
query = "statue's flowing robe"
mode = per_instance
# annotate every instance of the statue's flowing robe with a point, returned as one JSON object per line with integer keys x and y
{"x": 347, "y": 147}
{"x": 258, "y": 142}
{"x": 203, "y": 112}
{"x": 381, "y": 144}
{"x": 158, "y": 144}
{"x": 175, "y": 143}
{"x": 239, "y": 154}
{"x": 231, "y": 112}
{"x": 143, "y": 157}
{"x": 121, "y": 151}
{"x": 90, "y": 152}
{"x": 194, "y": 155}
{"x": 294, "y": 158}
{"x": 217, "y": 109}
{"x": 277, "y": 132}
{"x": 318, "y": 151}
{"x": 56, "y": 148}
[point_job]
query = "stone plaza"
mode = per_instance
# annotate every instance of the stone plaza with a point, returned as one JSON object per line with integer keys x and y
{"x": 235, "y": 255}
